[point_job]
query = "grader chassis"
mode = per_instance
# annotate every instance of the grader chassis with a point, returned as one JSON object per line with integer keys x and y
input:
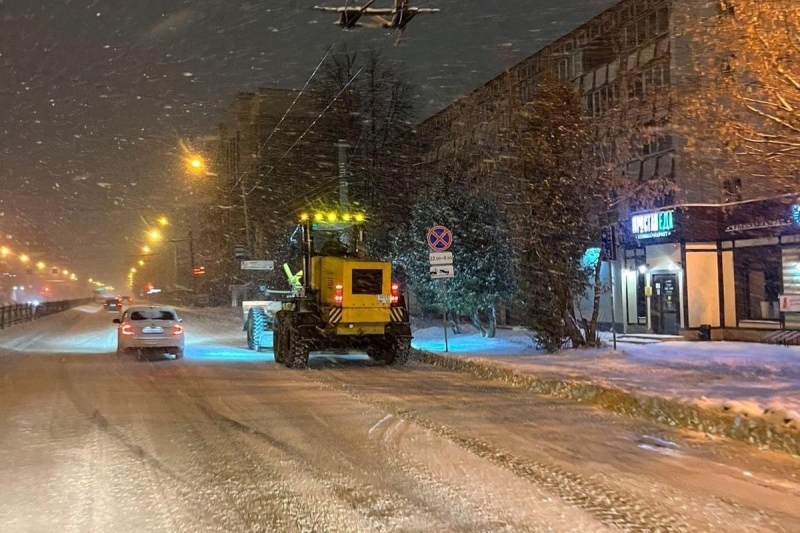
{"x": 346, "y": 300}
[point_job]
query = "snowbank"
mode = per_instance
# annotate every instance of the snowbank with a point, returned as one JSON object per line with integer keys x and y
{"x": 756, "y": 383}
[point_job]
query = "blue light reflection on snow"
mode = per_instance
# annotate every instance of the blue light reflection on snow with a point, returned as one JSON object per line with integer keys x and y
{"x": 506, "y": 342}
{"x": 220, "y": 353}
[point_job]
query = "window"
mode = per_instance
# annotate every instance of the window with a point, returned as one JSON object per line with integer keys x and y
{"x": 152, "y": 314}
{"x": 367, "y": 281}
{"x": 566, "y": 68}
{"x": 662, "y": 21}
{"x": 656, "y": 145}
{"x": 733, "y": 190}
{"x": 758, "y": 274}
{"x": 602, "y": 100}
{"x": 650, "y": 81}
{"x": 646, "y": 28}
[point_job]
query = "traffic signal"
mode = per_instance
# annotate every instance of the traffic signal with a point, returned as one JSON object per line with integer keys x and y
{"x": 609, "y": 238}
{"x": 199, "y": 271}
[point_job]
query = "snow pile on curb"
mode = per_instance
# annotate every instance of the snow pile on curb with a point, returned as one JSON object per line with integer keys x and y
{"x": 731, "y": 423}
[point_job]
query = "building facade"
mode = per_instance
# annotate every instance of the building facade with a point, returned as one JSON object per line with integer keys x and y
{"x": 267, "y": 164}
{"x": 721, "y": 247}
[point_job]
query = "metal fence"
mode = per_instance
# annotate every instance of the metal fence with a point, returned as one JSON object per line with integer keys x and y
{"x": 18, "y": 313}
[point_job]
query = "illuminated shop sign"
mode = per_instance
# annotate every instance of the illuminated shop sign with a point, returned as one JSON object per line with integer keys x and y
{"x": 653, "y": 225}
{"x": 796, "y": 214}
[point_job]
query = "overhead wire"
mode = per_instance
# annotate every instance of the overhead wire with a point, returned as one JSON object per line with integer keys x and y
{"x": 303, "y": 195}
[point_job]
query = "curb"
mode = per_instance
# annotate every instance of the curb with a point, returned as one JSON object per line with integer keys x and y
{"x": 674, "y": 413}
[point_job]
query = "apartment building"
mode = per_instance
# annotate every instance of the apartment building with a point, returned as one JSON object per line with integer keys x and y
{"x": 718, "y": 248}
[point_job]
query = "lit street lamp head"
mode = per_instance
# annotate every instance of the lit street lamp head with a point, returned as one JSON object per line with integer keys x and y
{"x": 196, "y": 164}
{"x": 155, "y": 235}
{"x": 164, "y": 221}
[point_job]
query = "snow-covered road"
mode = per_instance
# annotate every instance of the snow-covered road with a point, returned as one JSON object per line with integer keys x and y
{"x": 225, "y": 440}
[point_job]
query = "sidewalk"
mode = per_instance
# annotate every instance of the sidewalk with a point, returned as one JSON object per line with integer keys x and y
{"x": 752, "y": 379}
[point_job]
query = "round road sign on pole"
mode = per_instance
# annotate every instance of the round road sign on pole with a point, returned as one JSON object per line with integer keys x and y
{"x": 440, "y": 239}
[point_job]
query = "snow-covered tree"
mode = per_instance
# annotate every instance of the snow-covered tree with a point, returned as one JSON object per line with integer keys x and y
{"x": 538, "y": 168}
{"x": 740, "y": 91}
{"x": 481, "y": 253}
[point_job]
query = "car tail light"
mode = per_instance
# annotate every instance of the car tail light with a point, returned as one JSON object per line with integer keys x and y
{"x": 177, "y": 330}
{"x": 338, "y": 296}
{"x": 395, "y": 293}
{"x": 126, "y": 329}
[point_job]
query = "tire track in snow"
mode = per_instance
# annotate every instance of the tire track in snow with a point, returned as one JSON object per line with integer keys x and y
{"x": 609, "y": 506}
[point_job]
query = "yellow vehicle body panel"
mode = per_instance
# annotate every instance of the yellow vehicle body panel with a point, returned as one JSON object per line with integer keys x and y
{"x": 360, "y": 329}
{"x": 366, "y": 294}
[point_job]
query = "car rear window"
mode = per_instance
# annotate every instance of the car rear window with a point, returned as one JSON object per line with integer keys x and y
{"x": 367, "y": 281}
{"x": 152, "y": 314}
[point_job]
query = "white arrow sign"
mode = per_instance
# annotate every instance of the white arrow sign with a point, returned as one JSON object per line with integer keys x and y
{"x": 258, "y": 265}
{"x": 442, "y": 272}
{"x": 441, "y": 258}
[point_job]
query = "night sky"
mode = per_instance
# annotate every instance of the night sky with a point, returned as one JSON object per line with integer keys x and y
{"x": 96, "y": 95}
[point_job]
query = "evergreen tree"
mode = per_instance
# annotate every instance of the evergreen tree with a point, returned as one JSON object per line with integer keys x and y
{"x": 481, "y": 253}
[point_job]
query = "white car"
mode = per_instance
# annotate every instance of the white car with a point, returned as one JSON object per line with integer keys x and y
{"x": 153, "y": 328}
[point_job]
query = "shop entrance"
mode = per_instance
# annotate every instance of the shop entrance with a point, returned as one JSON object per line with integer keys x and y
{"x": 664, "y": 306}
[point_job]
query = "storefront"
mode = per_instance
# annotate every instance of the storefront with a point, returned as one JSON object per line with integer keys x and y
{"x": 733, "y": 267}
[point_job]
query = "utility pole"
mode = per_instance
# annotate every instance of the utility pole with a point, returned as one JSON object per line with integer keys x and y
{"x": 191, "y": 257}
{"x": 344, "y": 175}
{"x": 236, "y": 154}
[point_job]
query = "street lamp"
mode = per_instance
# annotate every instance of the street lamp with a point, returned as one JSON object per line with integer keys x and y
{"x": 65, "y": 272}
{"x": 196, "y": 164}
{"x": 146, "y": 249}
{"x": 155, "y": 235}
{"x": 164, "y": 221}
{"x": 4, "y": 251}
{"x": 141, "y": 263}
{"x": 24, "y": 259}
{"x": 40, "y": 265}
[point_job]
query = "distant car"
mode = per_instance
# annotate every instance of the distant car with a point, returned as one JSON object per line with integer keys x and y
{"x": 112, "y": 304}
{"x": 126, "y": 299}
{"x": 154, "y": 328}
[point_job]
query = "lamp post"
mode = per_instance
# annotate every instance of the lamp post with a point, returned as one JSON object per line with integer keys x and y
{"x": 155, "y": 236}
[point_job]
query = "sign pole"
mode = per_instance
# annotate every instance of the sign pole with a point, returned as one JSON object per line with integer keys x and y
{"x": 439, "y": 240}
{"x": 444, "y": 292}
{"x": 613, "y": 305}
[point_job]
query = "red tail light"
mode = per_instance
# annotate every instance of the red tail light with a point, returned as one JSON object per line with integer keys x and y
{"x": 395, "y": 293}
{"x": 338, "y": 296}
{"x": 126, "y": 329}
{"x": 177, "y": 330}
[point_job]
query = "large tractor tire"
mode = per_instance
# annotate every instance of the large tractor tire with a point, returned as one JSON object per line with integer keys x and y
{"x": 298, "y": 356}
{"x": 280, "y": 338}
{"x": 391, "y": 350}
{"x": 256, "y": 326}
{"x": 297, "y": 348}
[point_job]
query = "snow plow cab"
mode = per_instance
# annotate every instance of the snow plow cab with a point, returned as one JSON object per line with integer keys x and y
{"x": 347, "y": 300}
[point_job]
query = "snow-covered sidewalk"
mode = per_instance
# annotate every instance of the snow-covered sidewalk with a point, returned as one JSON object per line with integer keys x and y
{"x": 737, "y": 377}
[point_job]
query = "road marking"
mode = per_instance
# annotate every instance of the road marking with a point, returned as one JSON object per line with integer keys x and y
{"x": 378, "y": 424}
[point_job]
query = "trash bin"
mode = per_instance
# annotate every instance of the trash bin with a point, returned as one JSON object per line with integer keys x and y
{"x": 705, "y": 332}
